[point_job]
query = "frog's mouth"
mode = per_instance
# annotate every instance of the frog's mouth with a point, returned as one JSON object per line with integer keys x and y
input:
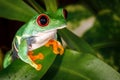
{"x": 63, "y": 26}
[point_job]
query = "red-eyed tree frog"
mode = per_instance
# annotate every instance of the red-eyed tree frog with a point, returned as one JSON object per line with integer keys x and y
{"x": 39, "y": 31}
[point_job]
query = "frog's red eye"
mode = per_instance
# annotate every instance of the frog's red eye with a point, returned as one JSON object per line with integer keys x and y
{"x": 43, "y": 20}
{"x": 65, "y": 13}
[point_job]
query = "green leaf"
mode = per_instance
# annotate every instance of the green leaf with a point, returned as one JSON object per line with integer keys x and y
{"x": 76, "y": 13}
{"x": 74, "y": 42}
{"x": 19, "y": 70}
{"x": 51, "y": 5}
{"x": 107, "y": 44}
{"x": 101, "y": 5}
{"x": 16, "y": 10}
{"x": 79, "y": 66}
{"x": 36, "y": 6}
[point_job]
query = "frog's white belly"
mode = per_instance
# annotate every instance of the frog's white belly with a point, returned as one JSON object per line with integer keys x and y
{"x": 42, "y": 38}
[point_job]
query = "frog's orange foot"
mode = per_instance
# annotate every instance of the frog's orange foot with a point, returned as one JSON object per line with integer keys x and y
{"x": 39, "y": 56}
{"x": 33, "y": 57}
{"x": 57, "y": 47}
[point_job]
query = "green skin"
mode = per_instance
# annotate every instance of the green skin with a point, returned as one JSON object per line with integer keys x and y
{"x": 31, "y": 36}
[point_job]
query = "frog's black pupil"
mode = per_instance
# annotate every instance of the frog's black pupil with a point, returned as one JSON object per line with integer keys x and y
{"x": 43, "y": 20}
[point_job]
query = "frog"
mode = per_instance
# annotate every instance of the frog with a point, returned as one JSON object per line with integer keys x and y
{"x": 40, "y": 30}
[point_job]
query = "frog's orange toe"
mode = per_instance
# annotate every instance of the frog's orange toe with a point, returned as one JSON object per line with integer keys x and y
{"x": 57, "y": 47}
{"x": 60, "y": 49}
{"x": 33, "y": 57}
{"x": 36, "y": 66}
{"x": 40, "y": 56}
{"x": 39, "y": 67}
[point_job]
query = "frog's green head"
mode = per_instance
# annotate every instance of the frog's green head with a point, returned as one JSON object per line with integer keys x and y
{"x": 49, "y": 21}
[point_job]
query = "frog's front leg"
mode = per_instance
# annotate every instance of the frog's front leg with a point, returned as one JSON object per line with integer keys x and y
{"x": 26, "y": 55}
{"x": 57, "y": 47}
